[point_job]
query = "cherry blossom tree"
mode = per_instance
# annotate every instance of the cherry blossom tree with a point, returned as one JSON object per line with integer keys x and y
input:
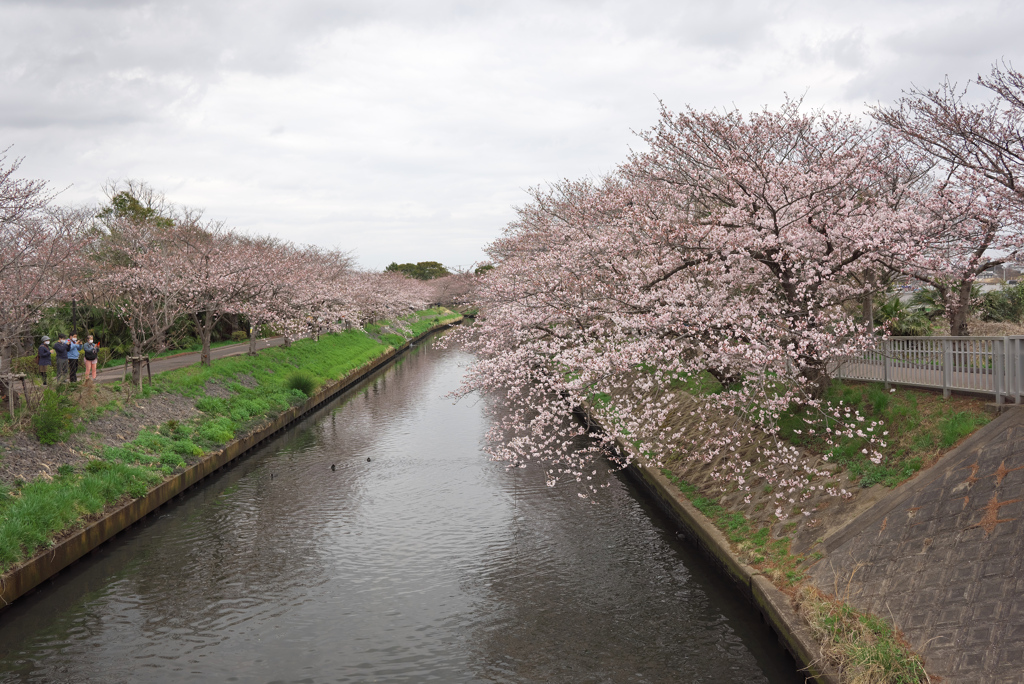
{"x": 728, "y": 247}
{"x": 215, "y": 274}
{"x": 973, "y": 216}
{"x": 139, "y": 262}
{"x": 453, "y": 290}
{"x": 986, "y": 137}
{"x": 39, "y": 253}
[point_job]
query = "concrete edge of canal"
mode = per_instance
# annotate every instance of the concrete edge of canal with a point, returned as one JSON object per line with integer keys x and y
{"x": 773, "y": 604}
{"x": 48, "y": 563}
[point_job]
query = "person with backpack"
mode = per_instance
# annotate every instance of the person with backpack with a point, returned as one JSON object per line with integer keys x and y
{"x": 73, "y": 348}
{"x": 62, "y": 348}
{"x": 44, "y": 358}
{"x": 91, "y": 352}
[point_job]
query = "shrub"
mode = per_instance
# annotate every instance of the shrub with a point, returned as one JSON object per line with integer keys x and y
{"x": 52, "y": 421}
{"x": 29, "y": 365}
{"x": 302, "y": 381}
{"x": 239, "y": 336}
{"x": 217, "y": 431}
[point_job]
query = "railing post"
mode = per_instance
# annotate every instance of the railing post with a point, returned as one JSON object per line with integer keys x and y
{"x": 997, "y": 370}
{"x": 1020, "y": 370}
{"x": 886, "y": 346}
{"x": 947, "y": 367}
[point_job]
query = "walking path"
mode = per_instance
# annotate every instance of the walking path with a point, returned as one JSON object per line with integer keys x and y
{"x": 943, "y": 556}
{"x": 187, "y": 359}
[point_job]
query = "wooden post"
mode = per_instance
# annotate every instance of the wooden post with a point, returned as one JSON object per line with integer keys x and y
{"x": 149, "y": 371}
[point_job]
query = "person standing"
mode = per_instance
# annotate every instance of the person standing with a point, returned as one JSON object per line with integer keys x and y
{"x": 62, "y": 348}
{"x": 73, "y": 348}
{"x": 44, "y": 358}
{"x": 91, "y": 352}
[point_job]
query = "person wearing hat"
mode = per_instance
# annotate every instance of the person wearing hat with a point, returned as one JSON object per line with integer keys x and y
{"x": 44, "y": 358}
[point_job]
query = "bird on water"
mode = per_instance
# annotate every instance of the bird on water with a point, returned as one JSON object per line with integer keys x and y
{"x": 367, "y": 459}
{"x": 332, "y": 467}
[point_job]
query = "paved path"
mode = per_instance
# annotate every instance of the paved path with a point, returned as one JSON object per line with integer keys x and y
{"x": 187, "y": 359}
{"x": 943, "y": 556}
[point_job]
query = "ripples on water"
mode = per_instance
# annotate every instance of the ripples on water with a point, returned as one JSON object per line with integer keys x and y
{"x": 427, "y": 563}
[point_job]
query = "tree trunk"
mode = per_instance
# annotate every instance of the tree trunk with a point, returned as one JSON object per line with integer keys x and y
{"x": 868, "y": 310}
{"x": 207, "y": 333}
{"x": 818, "y": 380}
{"x": 252, "y": 338}
{"x": 957, "y": 314}
{"x": 137, "y": 371}
{"x": 205, "y": 327}
{"x": 136, "y": 359}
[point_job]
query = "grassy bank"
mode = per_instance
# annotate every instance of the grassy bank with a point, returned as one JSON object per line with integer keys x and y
{"x": 233, "y": 396}
{"x": 919, "y": 424}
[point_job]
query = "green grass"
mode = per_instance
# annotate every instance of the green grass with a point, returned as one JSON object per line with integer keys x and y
{"x": 920, "y": 425}
{"x": 33, "y": 514}
{"x": 37, "y": 511}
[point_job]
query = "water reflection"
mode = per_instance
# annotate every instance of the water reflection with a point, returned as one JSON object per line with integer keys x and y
{"x": 426, "y": 563}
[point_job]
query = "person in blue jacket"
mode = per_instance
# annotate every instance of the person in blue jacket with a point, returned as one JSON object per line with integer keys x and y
{"x": 62, "y": 348}
{"x": 74, "y": 346}
{"x": 44, "y": 358}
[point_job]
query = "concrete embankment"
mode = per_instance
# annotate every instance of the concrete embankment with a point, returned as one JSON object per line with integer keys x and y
{"x": 941, "y": 557}
{"x": 44, "y": 565}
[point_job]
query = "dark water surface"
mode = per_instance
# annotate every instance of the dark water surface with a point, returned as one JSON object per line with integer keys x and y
{"x": 427, "y": 564}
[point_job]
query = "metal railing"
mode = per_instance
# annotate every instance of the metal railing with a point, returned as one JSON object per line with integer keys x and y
{"x": 986, "y": 365}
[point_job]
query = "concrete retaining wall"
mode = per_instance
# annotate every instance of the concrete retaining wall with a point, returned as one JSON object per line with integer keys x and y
{"x": 46, "y": 564}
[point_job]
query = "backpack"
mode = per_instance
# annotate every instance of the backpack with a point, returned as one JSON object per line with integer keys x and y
{"x": 91, "y": 352}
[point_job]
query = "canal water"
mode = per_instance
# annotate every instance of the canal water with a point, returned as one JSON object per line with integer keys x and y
{"x": 415, "y": 560}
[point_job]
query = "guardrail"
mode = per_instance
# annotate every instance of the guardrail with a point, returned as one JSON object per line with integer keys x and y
{"x": 986, "y": 365}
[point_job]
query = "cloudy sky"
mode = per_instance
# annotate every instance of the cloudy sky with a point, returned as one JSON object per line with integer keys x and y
{"x": 407, "y": 131}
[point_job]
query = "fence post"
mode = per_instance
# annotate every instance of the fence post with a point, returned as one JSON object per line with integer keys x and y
{"x": 997, "y": 370}
{"x": 886, "y": 347}
{"x": 947, "y": 367}
{"x": 1020, "y": 370}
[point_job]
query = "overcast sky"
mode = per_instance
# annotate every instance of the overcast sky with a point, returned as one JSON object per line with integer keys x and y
{"x": 407, "y": 131}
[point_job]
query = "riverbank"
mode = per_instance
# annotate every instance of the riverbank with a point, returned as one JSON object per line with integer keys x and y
{"x": 221, "y": 412}
{"x": 912, "y": 569}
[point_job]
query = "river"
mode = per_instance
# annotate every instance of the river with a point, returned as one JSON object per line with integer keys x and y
{"x": 416, "y": 560}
